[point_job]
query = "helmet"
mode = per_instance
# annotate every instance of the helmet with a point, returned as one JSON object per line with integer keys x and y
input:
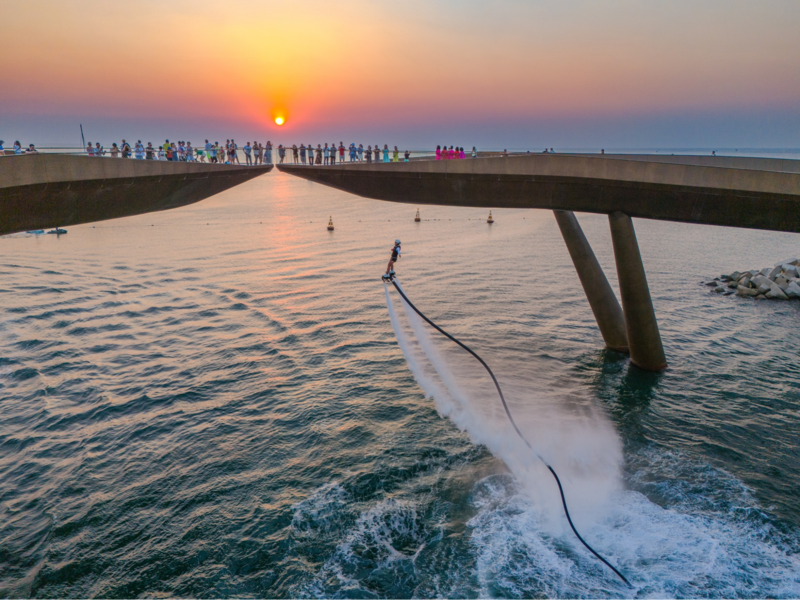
{"x": 397, "y": 242}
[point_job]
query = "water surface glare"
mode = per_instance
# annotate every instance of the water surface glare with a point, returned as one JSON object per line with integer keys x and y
{"x": 212, "y": 402}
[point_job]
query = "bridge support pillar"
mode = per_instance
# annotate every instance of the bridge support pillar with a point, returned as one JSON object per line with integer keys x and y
{"x": 644, "y": 339}
{"x": 606, "y": 309}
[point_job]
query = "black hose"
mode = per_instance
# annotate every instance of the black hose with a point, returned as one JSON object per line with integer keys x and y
{"x": 514, "y": 424}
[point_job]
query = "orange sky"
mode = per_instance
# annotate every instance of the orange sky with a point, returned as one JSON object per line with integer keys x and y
{"x": 405, "y": 66}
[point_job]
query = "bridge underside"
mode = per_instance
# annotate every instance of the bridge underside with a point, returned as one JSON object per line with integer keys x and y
{"x": 688, "y": 193}
{"x": 734, "y": 192}
{"x": 43, "y": 191}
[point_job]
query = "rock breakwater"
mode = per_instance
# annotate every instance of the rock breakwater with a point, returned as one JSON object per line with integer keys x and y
{"x": 781, "y": 282}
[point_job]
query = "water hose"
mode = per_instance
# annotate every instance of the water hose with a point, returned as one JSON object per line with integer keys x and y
{"x": 514, "y": 424}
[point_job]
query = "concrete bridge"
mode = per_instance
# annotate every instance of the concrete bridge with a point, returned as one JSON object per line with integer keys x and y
{"x": 39, "y": 191}
{"x": 736, "y": 192}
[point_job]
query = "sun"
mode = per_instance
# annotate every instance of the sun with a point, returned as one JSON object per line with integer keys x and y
{"x": 279, "y": 120}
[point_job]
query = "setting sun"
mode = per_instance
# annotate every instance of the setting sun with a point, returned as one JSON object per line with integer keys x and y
{"x": 279, "y": 120}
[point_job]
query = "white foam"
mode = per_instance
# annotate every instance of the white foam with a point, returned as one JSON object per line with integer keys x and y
{"x": 581, "y": 445}
{"x": 664, "y": 552}
{"x": 692, "y": 546}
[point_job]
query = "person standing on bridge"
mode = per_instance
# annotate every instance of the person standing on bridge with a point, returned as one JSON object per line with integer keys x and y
{"x": 248, "y": 154}
{"x": 360, "y": 152}
{"x": 395, "y": 257}
{"x": 341, "y": 152}
{"x": 235, "y": 150}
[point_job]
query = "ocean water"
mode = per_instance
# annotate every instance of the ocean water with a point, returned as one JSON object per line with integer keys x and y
{"x": 218, "y": 401}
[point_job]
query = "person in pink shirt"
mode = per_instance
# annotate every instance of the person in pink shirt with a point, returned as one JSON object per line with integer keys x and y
{"x": 451, "y": 153}
{"x": 438, "y": 153}
{"x": 461, "y": 153}
{"x": 341, "y": 152}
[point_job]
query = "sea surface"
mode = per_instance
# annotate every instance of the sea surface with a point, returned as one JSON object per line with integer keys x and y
{"x": 214, "y": 401}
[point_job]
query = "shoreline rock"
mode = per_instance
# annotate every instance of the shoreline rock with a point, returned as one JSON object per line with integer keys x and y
{"x": 781, "y": 282}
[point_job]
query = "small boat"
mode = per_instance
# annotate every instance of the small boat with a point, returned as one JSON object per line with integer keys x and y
{"x": 417, "y": 219}
{"x": 36, "y": 231}
{"x": 330, "y": 224}
{"x": 490, "y": 220}
{"x": 58, "y": 231}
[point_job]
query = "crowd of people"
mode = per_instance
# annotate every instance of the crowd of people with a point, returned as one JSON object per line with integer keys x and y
{"x": 255, "y": 153}
{"x": 227, "y": 153}
{"x": 453, "y": 153}
{"x": 327, "y": 154}
{"x": 18, "y": 149}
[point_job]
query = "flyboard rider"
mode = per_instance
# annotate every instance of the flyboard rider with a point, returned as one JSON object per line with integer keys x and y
{"x": 395, "y": 256}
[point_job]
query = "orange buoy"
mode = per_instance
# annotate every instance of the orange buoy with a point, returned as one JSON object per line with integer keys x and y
{"x": 490, "y": 220}
{"x": 330, "y": 224}
{"x": 417, "y": 219}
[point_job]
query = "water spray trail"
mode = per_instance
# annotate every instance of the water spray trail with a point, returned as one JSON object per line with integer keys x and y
{"x": 430, "y": 387}
{"x": 511, "y": 420}
{"x": 434, "y": 357}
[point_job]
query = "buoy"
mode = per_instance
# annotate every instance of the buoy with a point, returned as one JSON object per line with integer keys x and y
{"x": 330, "y": 224}
{"x": 490, "y": 219}
{"x": 417, "y": 219}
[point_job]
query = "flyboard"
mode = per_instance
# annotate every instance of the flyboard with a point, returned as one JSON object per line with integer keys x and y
{"x": 391, "y": 278}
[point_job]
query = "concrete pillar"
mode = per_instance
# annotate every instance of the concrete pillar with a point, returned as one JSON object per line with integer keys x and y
{"x": 606, "y": 309}
{"x": 644, "y": 339}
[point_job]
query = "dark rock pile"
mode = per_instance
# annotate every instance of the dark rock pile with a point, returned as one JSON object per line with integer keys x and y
{"x": 781, "y": 282}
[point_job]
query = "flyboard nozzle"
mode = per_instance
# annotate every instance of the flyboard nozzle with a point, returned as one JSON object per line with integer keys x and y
{"x": 330, "y": 223}
{"x": 490, "y": 219}
{"x": 417, "y": 219}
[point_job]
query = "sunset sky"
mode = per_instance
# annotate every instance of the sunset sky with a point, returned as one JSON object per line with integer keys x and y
{"x": 524, "y": 74}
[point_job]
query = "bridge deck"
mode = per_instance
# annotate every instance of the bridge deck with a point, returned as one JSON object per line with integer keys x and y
{"x": 731, "y": 191}
{"x": 38, "y": 191}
